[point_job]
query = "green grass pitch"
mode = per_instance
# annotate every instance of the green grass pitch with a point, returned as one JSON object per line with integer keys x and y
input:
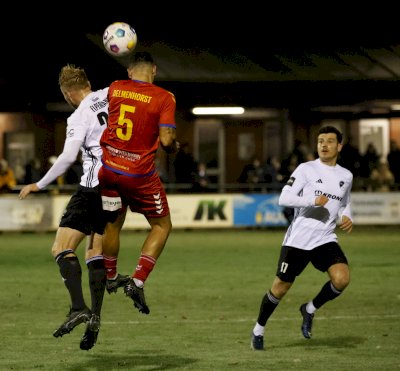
{"x": 204, "y": 295}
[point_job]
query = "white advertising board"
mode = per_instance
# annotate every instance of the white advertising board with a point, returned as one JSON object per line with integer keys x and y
{"x": 43, "y": 212}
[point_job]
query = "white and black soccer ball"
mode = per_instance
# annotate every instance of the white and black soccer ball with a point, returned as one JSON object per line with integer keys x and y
{"x": 119, "y": 39}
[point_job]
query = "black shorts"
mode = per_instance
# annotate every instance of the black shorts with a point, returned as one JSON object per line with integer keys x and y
{"x": 293, "y": 261}
{"x": 84, "y": 211}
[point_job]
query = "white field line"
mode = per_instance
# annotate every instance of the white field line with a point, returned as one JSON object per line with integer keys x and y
{"x": 240, "y": 320}
{"x": 234, "y": 320}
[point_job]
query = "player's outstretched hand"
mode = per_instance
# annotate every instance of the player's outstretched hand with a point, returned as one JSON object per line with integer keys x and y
{"x": 347, "y": 224}
{"x": 28, "y": 189}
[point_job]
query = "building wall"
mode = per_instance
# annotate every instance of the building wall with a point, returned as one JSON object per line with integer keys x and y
{"x": 274, "y": 136}
{"x": 237, "y": 158}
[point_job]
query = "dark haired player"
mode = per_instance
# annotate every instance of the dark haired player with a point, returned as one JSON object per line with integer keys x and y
{"x": 319, "y": 191}
{"x": 141, "y": 117}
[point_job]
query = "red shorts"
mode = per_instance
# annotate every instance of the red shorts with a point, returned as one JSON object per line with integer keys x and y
{"x": 143, "y": 195}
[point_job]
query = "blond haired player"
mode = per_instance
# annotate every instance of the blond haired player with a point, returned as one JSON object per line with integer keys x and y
{"x": 83, "y": 215}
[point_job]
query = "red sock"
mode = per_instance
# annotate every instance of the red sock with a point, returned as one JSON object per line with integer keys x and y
{"x": 145, "y": 266}
{"x": 111, "y": 266}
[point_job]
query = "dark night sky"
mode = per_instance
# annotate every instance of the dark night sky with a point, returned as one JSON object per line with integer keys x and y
{"x": 37, "y": 40}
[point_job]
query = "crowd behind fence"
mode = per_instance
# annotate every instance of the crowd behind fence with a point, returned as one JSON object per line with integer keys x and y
{"x": 372, "y": 173}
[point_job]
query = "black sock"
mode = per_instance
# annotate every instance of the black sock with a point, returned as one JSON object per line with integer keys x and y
{"x": 71, "y": 273}
{"x": 268, "y": 305}
{"x": 97, "y": 283}
{"x": 328, "y": 292}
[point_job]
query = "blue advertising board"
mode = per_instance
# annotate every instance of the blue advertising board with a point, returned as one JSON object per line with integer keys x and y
{"x": 258, "y": 210}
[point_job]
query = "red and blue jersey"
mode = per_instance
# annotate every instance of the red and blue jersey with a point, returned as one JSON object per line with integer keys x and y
{"x": 136, "y": 111}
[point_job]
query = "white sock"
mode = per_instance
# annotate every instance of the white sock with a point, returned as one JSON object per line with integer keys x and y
{"x": 310, "y": 307}
{"x": 138, "y": 283}
{"x": 258, "y": 330}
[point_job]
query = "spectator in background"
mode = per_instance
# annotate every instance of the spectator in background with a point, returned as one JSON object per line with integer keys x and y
{"x": 19, "y": 170}
{"x": 272, "y": 176}
{"x": 7, "y": 177}
{"x": 161, "y": 168}
{"x": 393, "y": 160}
{"x": 74, "y": 173}
{"x": 33, "y": 171}
{"x": 370, "y": 161}
{"x": 288, "y": 166}
{"x": 351, "y": 159}
{"x": 253, "y": 175}
{"x": 382, "y": 179}
{"x": 309, "y": 156}
{"x": 184, "y": 165}
{"x": 201, "y": 181}
{"x": 301, "y": 150}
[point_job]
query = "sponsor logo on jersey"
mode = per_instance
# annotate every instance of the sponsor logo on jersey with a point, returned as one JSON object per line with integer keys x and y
{"x": 329, "y": 195}
{"x": 341, "y": 183}
{"x": 319, "y": 181}
{"x": 70, "y": 133}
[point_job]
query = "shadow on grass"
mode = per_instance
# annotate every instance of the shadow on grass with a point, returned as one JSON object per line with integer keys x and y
{"x": 334, "y": 342}
{"x": 132, "y": 362}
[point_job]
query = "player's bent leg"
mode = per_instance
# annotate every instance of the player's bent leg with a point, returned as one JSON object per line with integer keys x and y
{"x": 94, "y": 246}
{"x": 66, "y": 239}
{"x": 111, "y": 236}
{"x": 111, "y": 244}
{"x": 279, "y": 288}
{"x": 268, "y": 304}
{"x": 339, "y": 275}
{"x": 158, "y": 236}
{"x": 151, "y": 250}
{"x": 63, "y": 250}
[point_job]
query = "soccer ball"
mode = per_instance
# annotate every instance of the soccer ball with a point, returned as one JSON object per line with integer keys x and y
{"x": 119, "y": 39}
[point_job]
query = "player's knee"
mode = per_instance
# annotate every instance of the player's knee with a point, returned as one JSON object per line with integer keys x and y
{"x": 56, "y": 250}
{"x": 341, "y": 280}
{"x": 61, "y": 254}
{"x": 280, "y": 288}
{"x": 341, "y": 283}
{"x": 339, "y": 275}
{"x": 162, "y": 224}
{"x": 61, "y": 247}
{"x": 168, "y": 226}
{"x": 89, "y": 254}
{"x": 165, "y": 229}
